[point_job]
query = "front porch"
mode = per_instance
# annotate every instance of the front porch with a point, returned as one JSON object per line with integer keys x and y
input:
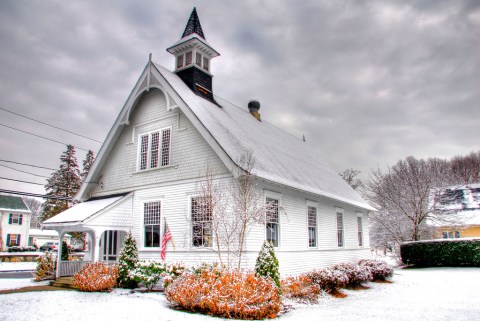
{"x": 104, "y": 231}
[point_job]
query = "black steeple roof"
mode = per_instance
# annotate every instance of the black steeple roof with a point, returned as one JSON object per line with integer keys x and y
{"x": 193, "y": 25}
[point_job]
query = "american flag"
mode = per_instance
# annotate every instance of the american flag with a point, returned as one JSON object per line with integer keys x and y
{"x": 166, "y": 237}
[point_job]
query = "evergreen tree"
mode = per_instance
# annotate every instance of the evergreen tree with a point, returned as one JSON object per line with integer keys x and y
{"x": 87, "y": 164}
{"x": 127, "y": 261}
{"x": 64, "y": 182}
{"x": 267, "y": 263}
{"x": 65, "y": 251}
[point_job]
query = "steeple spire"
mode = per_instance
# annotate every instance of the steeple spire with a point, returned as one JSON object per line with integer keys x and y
{"x": 193, "y": 25}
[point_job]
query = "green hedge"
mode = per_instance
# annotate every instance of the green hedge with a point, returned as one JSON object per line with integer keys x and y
{"x": 457, "y": 252}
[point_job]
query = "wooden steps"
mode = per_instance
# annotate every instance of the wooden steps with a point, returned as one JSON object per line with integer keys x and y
{"x": 65, "y": 282}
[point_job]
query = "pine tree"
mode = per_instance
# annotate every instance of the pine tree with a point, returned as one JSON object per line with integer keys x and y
{"x": 65, "y": 251}
{"x": 87, "y": 164}
{"x": 127, "y": 261}
{"x": 64, "y": 182}
{"x": 267, "y": 263}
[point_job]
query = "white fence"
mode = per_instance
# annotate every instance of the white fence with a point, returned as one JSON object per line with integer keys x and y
{"x": 68, "y": 268}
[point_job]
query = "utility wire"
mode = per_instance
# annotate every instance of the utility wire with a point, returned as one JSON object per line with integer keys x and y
{"x": 7, "y": 161}
{"x": 18, "y": 170}
{"x": 36, "y": 195}
{"x": 41, "y": 122}
{"x": 16, "y": 180}
{"x": 52, "y": 140}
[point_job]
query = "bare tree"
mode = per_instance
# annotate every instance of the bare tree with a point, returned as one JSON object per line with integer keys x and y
{"x": 404, "y": 195}
{"x": 466, "y": 169}
{"x": 350, "y": 176}
{"x": 36, "y": 207}
{"x": 231, "y": 209}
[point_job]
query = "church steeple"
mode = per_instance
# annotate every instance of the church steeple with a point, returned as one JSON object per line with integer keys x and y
{"x": 193, "y": 25}
{"x": 192, "y": 58}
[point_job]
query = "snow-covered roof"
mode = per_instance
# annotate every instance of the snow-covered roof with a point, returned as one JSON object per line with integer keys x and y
{"x": 13, "y": 203}
{"x": 81, "y": 212}
{"x": 458, "y": 198}
{"x": 49, "y": 233}
{"x": 280, "y": 157}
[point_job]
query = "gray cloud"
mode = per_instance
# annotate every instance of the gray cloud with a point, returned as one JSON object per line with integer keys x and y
{"x": 368, "y": 83}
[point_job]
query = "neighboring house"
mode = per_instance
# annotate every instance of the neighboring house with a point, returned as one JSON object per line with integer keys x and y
{"x": 170, "y": 130}
{"x": 40, "y": 237}
{"x": 457, "y": 212}
{"x": 14, "y": 222}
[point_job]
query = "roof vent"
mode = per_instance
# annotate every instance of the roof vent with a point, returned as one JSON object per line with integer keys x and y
{"x": 253, "y": 107}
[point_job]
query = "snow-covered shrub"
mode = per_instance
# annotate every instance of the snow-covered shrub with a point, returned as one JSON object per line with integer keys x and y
{"x": 327, "y": 279}
{"x": 267, "y": 263}
{"x": 148, "y": 273}
{"x": 45, "y": 268}
{"x": 212, "y": 267}
{"x": 232, "y": 294}
{"x": 127, "y": 262}
{"x": 451, "y": 252}
{"x": 65, "y": 251}
{"x": 172, "y": 272}
{"x": 356, "y": 274}
{"x": 379, "y": 270}
{"x": 96, "y": 277}
{"x": 300, "y": 288}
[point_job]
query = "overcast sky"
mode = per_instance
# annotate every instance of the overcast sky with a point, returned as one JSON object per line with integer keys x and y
{"x": 367, "y": 82}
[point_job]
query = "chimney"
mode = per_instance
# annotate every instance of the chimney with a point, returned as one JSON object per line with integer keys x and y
{"x": 253, "y": 107}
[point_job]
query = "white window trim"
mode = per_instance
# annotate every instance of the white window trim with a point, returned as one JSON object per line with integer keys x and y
{"x": 360, "y": 214}
{"x": 312, "y": 204}
{"x": 142, "y": 233}
{"x": 139, "y": 147}
{"x": 339, "y": 210}
{"x": 278, "y": 196}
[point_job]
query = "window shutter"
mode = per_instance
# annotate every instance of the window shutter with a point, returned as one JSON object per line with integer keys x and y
{"x": 18, "y": 240}
{"x": 20, "y": 219}
{"x": 10, "y": 218}
{"x": 8, "y": 238}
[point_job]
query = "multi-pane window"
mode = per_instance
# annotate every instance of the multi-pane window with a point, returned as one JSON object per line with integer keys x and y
{"x": 13, "y": 239}
{"x": 201, "y": 211}
{"x": 360, "y": 230}
{"x": 205, "y": 63}
{"x": 151, "y": 222}
{"x": 179, "y": 61}
{"x": 272, "y": 226}
{"x": 188, "y": 58}
{"x": 15, "y": 219}
{"x": 451, "y": 235}
{"x": 152, "y": 154}
{"x": 340, "y": 236}
{"x": 198, "y": 59}
{"x": 312, "y": 226}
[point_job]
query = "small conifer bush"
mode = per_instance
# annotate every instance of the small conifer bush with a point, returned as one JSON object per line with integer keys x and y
{"x": 45, "y": 268}
{"x": 127, "y": 262}
{"x": 267, "y": 263}
{"x": 228, "y": 294}
{"x": 96, "y": 277}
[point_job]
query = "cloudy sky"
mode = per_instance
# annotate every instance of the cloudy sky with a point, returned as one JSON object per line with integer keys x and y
{"x": 367, "y": 82}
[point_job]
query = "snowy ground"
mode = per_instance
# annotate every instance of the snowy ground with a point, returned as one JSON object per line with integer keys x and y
{"x": 420, "y": 294}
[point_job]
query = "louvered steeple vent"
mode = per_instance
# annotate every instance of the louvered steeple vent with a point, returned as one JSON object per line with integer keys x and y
{"x": 192, "y": 58}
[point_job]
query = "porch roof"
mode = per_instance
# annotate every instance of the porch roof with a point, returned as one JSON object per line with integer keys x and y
{"x": 81, "y": 212}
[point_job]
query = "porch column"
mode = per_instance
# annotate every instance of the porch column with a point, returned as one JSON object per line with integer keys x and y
{"x": 96, "y": 246}
{"x": 61, "y": 233}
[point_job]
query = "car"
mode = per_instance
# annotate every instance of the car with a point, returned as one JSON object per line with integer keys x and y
{"x": 49, "y": 246}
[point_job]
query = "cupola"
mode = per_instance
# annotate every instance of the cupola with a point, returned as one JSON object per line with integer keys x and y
{"x": 192, "y": 58}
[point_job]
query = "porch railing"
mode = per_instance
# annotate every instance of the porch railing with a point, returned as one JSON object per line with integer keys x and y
{"x": 68, "y": 268}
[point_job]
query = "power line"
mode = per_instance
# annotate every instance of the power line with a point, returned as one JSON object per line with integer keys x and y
{"x": 7, "y": 161}
{"x": 52, "y": 140}
{"x": 16, "y": 180}
{"x": 36, "y": 195}
{"x": 18, "y": 170}
{"x": 41, "y": 122}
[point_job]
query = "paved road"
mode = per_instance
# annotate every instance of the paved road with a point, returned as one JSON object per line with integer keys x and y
{"x": 16, "y": 275}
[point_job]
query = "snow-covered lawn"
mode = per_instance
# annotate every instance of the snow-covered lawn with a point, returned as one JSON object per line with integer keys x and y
{"x": 420, "y": 294}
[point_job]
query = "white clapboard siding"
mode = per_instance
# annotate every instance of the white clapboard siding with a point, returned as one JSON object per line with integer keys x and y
{"x": 189, "y": 156}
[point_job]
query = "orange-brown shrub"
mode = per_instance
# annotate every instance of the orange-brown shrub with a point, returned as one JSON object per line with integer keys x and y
{"x": 96, "y": 277}
{"x": 229, "y": 294}
{"x": 300, "y": 288}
